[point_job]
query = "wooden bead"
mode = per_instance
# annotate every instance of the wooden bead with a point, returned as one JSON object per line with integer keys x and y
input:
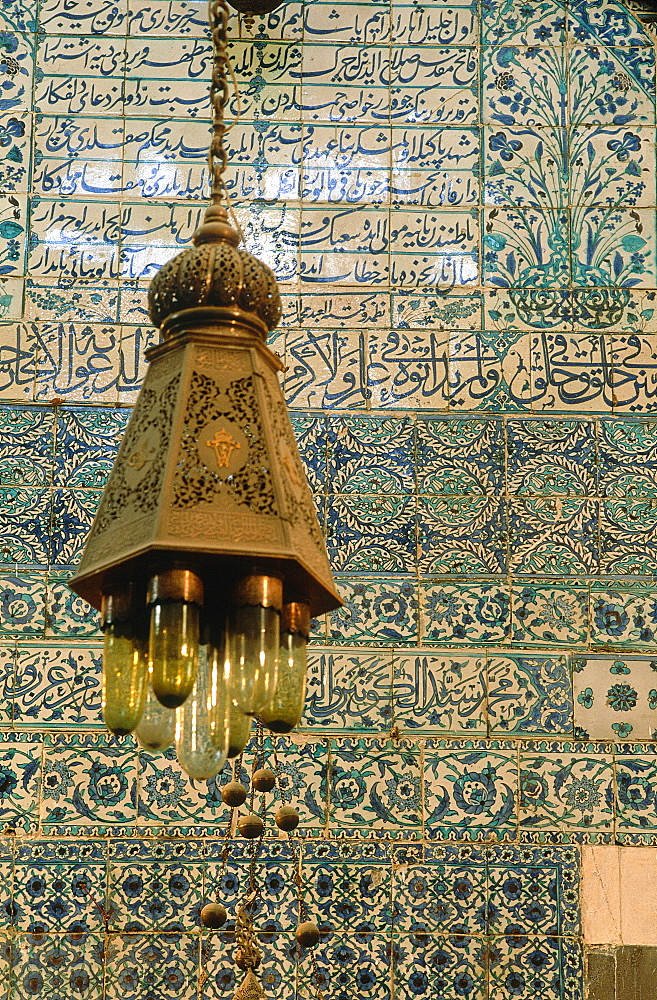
{"x": 213, "y": 915}
{"x": 264, "y": 780}
{"x": 287, "y": 818}
{"x": 250, "y": 826}
{"x": 307, "y": 934}
{"x": 234, "y": 794}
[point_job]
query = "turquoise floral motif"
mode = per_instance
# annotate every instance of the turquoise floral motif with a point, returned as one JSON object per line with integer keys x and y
{"x": 621, "y": 697}
{"x": 622, "y": 729}
{"x": 585, "y": 698}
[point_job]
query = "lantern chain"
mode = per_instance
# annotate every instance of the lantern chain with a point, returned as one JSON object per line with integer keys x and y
{"x": 222, "y": 70}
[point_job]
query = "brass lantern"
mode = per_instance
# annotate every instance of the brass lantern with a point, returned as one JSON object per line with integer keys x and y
{"x": 205, "y": 557}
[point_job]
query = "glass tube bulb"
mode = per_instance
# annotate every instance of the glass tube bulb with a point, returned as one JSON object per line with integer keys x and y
{"x": 283, "y": 712}
{"x": 157, "y": 727}
{"x": 125, "y": 676}
{"x": 173, "y": 650}
{"x": 255, "y": 640}
{"x": 239, "y": 730}
{"x": 202, "y": 722}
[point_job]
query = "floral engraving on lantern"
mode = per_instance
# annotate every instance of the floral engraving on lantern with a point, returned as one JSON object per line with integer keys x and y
{"x": 223, "y": 414}
{"x": 223, "y": 444}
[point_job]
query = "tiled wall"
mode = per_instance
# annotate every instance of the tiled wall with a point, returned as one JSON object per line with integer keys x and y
{"x": 459, "y": 203}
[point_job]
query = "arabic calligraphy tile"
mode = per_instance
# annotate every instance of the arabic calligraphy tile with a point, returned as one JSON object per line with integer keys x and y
{"x": 325, "y": 369}
{"x": 547, "y": 613}
{"x": 332, "y": 184}
{"x": 348, "y": 690}
{"x": 61, "y": 889}
{"x": 21, "y": 765}
{"x": 22, "y": 603}
{"x": 44, "y": 965}
{"x": 563, "y": 789}
{"x": 376, "y": 609}
{"x": 72, "y": 514}
{"x": 82, "y": 366}
{"x": 79, "y": 55}
{"x": 177, "y": 19}
{"x": 408, "y": 369}
{"x": 634, "y": 379}
{"x": 610, "y": 83}
{"x": 514, "y": 173}
{"x": 460, "y": 456}
{"x": 529, "y": 695}
{"x": 433, "y": 188}
{"x": 343, "y": 309}
{"x": 614, "y": 697}
{"x": 487, "y": 375}
{"x": 572, "y": 371}
{"x": 421, "y": 23}
{"x": 553, "y": 536}
{"x": 7, "y": 673}
{"x": 622, "y": 615}
{"x": 525, "y": 85}
{"x": 102, "y": 19}
{"x": 356, "y": 23}
{"x": 24, "y": 518}
{"x": 461, "y": 534}
{"x": 440, "y": 695}
{"x": 470, "y": 790}
{"x": 441, "y": 270}
{"x": 502, "y": 23}
{"x": 89, "y": 781}
{"x": 454, "y": 612}
{"x": 366, "y": 790}
{"x": 57, "y": 686}
{"x": 373, "y": 533}
{"x": 66, "y": 613}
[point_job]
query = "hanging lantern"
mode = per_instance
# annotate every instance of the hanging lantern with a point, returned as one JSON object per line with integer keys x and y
{"x": 206, "y": 558}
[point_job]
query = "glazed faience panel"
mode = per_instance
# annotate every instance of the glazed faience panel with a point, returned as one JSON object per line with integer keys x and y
{"x": 459, "y": 204}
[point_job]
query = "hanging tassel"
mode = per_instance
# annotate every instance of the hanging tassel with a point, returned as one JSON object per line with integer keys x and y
{"x": 250, "y": 989}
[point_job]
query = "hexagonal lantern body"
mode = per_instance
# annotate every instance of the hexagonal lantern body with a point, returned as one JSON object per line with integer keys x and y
{"x": 208, "y": 475}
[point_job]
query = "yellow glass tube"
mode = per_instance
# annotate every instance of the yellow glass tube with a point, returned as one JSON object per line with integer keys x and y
{"x": 173, "y": 650}
{"x": 201, "y": 723}
{"x": 125, "y": 676}
{"x": 283, "y": 712}
{"x": 156, "y": 729}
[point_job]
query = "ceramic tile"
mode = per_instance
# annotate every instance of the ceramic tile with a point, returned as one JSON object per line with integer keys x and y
{"x": 367, "y": 791}
{"x": 89, "y": 782}
{"x": 434, "y": 898}
{"x": 57, "y": 687}
{"x": 66, "y": 613}
{"x": 72, "y": 515}
{"x": 348, "y": 689}
{"x": 553, "y": 536}
{"x": 22, "y": 603}
{"x": 371, "y": 454}
{"x": 153, "y": 896}
{"x": 529, "y": 695}
{"x": 463, "y": 535}
{"x": 635, "y": 772}
{"x": 44, "y": 965}
{"x": 471, "y": 790}
{"x": 373, "y": 533}
{"x": 564, "y": 788}
{"x": 60, "y": 888}
{"x": 156, "y": 964}
{"x": 550, "y": 614}
{"x": 455, "y": 612}
{"x": 20, "y": 764}
{"x": 167, "y": 798}
{"x": 442, "y": 965}
{"x": 438, "y": 695}
{"x": 622, "y": 617}
{"x": 24, "y": 523}
{"x": 376, "y": 610}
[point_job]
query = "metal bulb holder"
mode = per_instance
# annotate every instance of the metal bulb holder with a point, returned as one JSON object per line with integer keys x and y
{"x": 255, "y": 6}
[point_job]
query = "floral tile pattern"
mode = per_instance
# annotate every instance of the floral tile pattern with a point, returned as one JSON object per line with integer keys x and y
{"x": 459, "y": 205}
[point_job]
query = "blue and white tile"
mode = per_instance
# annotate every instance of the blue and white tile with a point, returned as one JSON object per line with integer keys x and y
{"x": 440, "y": 695}
{"x": 529, "y": 695}
{"x": 348, "y": 690}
